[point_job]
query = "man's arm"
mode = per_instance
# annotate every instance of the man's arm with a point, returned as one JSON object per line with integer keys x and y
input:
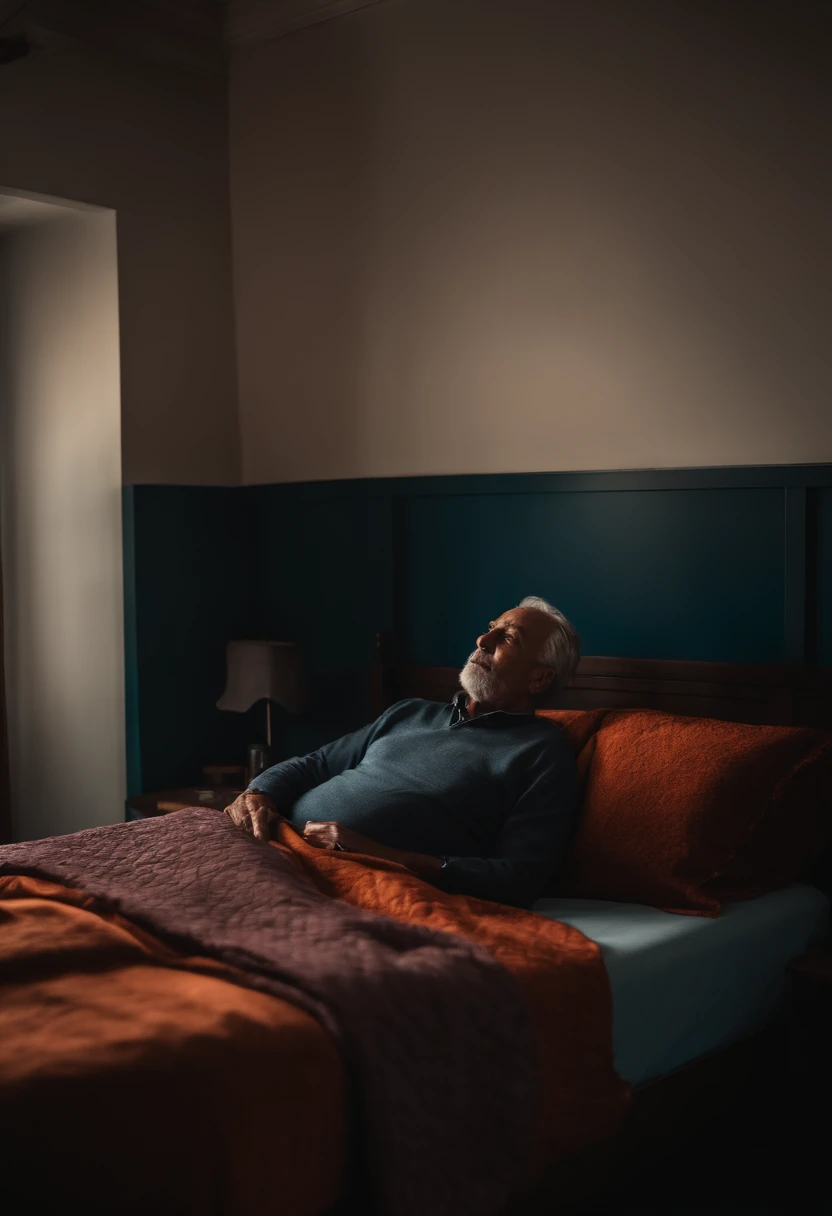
{"x": 284, "y": 783}
{"x": 328, "y": 834}
{"x": 531, "y": 845}
{"x": 275, "y": 790}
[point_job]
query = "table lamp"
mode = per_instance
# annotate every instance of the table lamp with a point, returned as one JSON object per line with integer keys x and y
{"x": 257, "y": 671}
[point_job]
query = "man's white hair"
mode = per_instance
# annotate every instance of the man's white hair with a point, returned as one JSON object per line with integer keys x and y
{"x": 562, "y": 648}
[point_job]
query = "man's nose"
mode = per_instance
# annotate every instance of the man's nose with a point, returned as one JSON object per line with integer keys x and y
{"x": 486, "y": 641}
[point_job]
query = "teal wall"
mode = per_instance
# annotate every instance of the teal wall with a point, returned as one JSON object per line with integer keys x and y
{"x": 187, "y": 590}
{"x": 641, "y": 572}
{"x": 721, "y": 564}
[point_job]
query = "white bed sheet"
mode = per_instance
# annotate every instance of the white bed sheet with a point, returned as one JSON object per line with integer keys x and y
{"x": 683, "y": 986}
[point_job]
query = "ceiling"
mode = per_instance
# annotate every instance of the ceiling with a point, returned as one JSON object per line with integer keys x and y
{"x": 197, "y": 34}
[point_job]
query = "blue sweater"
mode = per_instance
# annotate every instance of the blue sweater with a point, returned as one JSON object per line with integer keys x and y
{"x": 494, "y": 795}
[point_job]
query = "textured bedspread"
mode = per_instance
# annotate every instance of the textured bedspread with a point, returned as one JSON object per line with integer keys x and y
{"x": 466, "y": 1029}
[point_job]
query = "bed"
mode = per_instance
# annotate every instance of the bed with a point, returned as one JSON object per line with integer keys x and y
{"x": 665, "y": 970}
{"x": 142, "y": 1074}
{"x": 681, "y": 1060}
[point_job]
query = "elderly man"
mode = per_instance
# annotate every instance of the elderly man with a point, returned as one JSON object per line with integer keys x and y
{"x": 476, "y": 797}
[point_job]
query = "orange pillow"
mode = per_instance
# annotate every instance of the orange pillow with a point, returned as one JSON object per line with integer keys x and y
{"x": 687, "y": 814}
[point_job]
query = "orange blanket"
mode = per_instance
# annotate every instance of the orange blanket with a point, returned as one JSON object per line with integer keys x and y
{"x": 137, "y": 1079}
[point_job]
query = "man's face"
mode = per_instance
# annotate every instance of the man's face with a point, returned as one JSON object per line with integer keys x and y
{"x": 504, "y": 670}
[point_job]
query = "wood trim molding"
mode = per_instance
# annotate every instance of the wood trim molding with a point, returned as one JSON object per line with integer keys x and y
{"x": 733, "y": 692}
{"x": 721, "y": 477}
{"x": 251, "y": 21}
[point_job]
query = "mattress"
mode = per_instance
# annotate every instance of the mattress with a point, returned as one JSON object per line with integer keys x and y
{"x": 683, "y": 986}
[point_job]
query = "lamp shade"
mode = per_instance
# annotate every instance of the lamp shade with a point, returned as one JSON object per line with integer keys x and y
{"x": 255, "y": 670}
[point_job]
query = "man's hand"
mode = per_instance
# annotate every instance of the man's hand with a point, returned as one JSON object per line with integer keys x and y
{"x": 327, "y": 835}
{"x": 253, "y": 813}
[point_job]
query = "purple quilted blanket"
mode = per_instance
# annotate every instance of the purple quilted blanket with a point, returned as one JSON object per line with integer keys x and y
{"x": 436, "y": 1036}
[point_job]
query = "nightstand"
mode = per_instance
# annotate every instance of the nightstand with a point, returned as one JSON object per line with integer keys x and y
{"x": 145, "y": 806}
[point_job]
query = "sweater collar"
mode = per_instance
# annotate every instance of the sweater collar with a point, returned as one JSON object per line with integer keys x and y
{"x": 459, "y": 710}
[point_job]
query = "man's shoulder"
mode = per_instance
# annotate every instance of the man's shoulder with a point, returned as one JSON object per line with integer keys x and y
{"x": 411, "y": 708}
{"x": 412, "y": 703}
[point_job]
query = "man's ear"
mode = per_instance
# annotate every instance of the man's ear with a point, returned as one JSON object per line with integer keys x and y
{"x": 540, "y": 681}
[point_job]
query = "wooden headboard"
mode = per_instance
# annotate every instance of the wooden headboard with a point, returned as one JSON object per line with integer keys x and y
{"x": 734, "y": 692}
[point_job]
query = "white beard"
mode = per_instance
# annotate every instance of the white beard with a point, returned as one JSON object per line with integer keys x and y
{"x": 481, "y": 684}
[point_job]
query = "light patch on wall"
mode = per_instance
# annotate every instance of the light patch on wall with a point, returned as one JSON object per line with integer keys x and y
{"x": 60, "y": 473}
{"x": 478, "y": 238}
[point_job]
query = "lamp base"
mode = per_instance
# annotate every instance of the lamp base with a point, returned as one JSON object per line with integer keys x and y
{"x": 258, "y": 759}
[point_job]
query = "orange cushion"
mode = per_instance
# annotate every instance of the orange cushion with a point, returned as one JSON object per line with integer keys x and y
{"x": 579, "y": 725}
{"x": 687, "y": 814}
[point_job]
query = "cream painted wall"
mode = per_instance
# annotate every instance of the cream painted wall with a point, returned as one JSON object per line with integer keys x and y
{"x": 495, "y": 236}
{"x": 100, "y": 127}
{"x": 60, "y": 474}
